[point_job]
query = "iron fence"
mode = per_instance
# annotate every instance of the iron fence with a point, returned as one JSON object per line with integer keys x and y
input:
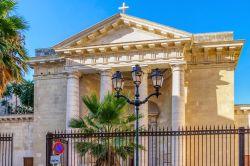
{"x": 6, "y": 149}
{"x": 200, "y": 146}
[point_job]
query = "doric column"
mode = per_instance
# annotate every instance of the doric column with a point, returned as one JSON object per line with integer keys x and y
{"x": 144, "y": 121}
{"x": 152, "y": 148}
{"x": 72, "y": 97}
{"x": 178, "y": 96}
{"x": 106, "y": 83}
{"x": 178, "y": 113}
{"x": 143, "y": 90}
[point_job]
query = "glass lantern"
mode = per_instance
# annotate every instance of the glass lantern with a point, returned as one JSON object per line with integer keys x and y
{"x": 157, "y": 78}
{"x": 137, "y": 74}
{"x": 118, "y": 81}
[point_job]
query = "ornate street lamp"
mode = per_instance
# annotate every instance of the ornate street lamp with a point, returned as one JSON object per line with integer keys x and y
{"x": 137, "y": 75}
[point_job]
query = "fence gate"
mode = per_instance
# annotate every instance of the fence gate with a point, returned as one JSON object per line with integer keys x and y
{"x": 6, "y": 149}
{"x": 204, "y": 146}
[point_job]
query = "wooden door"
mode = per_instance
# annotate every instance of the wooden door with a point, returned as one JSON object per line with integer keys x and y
{"x": 28, "y": 161}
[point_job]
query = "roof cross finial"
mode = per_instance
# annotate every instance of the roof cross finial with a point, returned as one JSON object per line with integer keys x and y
{"x": 123, "y": 8}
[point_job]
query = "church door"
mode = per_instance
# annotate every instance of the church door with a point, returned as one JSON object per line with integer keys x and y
{"x": 28, "y": 161}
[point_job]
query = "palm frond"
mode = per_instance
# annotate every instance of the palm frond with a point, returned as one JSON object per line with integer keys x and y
{"x": 83, "y": 147}
{"x": 6, "y": 6}
{"x": 13, "y": 55}
{"x": 92, "y": 103}
{"x": 91, "y": 123}
{"x": 108, "y": 115}
{"x": 77, "y": 123}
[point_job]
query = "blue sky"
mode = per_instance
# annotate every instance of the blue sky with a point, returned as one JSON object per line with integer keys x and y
{"x": 52, "y": 21}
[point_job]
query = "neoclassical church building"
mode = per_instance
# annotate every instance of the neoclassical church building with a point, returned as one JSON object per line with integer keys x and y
{"x": 198, "y": 87}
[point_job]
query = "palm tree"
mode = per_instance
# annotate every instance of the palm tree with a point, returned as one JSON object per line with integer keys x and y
{"x": 12, "y": 51}
{"x": 106, "y": 116}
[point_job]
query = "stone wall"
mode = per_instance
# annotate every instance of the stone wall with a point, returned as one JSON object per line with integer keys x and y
{"x": 22, "y": 128}
{"x": 49, "y": 111}
{"x": 89, "y": 84}
{"x": 164, "y": 102}
{"x": 209, "y": 94}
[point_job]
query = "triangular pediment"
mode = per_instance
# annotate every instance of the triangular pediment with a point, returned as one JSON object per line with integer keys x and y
{"x": 121, "y": 28}
{"x": 124, "y": 35}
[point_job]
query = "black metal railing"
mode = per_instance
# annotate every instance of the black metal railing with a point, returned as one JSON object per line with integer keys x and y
{"x": 6, "y": 149}
{"x": 198, "y": 146}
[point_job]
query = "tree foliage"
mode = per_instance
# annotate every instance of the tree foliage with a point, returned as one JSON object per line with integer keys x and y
{"x": 109, "y": 115}
{"x": 24, "y": 92}
{"x": 13, "y": 54}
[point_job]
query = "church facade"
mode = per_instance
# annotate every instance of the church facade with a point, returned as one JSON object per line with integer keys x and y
{"x": 198, "y": 87}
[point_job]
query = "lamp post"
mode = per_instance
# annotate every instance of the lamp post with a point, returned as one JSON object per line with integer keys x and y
{"x": 137, "y": 75}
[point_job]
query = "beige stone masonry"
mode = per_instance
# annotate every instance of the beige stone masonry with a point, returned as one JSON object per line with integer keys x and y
{"x": 106, "y": 83}
{"x": 17, "y": 118}
{"x": 178, "y": 96}
{"x": 72, "y": 97}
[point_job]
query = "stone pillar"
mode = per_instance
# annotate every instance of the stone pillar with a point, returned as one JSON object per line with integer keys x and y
{"x": 106, "y": 83}
{"x": 143, "y": 90}
{"x": 178, "y": 96}
{"x": 178, "y": 113}
{"x": 72, "y": 97}
{"x": 144, "y": 121}
{"x": 152, "y": 153}
{"x": 73, "y": 110}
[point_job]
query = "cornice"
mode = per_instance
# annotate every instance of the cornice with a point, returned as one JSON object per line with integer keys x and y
{"x": 210, "y": 65}
{"x": 50, "y": 76}
{"x": 17, "y": 118}
{"x": 213, "y": 37}
{"x": 45, "y": 60}
{"x": 242, "y": 111}
{"x": 126, "y": 46}
{"x": 87, "y": 31}
{"x": 217, "y": 44}
{"x": 158, "y": 26}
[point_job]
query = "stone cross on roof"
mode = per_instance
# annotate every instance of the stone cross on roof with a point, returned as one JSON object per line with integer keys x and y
{"x": 123, "y": 8}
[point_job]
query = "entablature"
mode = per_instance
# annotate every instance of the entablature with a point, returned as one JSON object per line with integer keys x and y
{"x": 45, "y": 60}
{"x": 17, "y": 118}
{"x": 158, "y": 58}
{"x": 214, "y": 52}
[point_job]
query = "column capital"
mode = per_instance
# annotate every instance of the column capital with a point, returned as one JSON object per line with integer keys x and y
{"x": 106, "y": 72}
{"x": 74, "y": 74}
{"x": 178, "y": 66}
